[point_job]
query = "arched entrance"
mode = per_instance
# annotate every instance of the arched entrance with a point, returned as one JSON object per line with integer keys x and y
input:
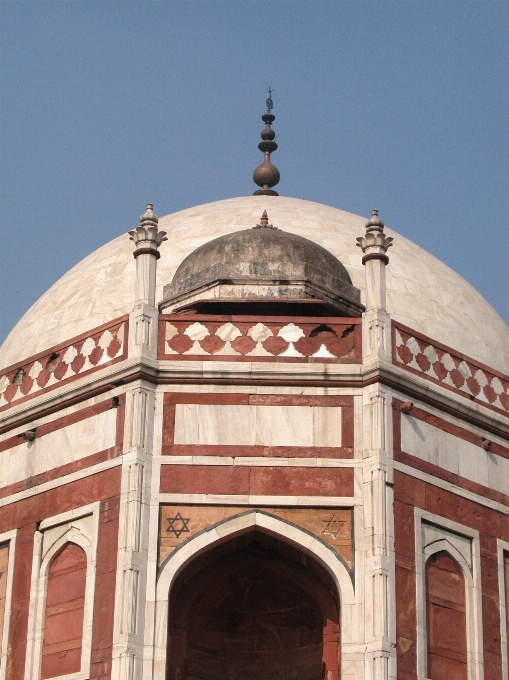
{"x": 253, "y": 608}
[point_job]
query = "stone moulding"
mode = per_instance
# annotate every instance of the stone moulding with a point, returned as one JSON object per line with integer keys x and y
{"x": 63, "y": 363}
{"x": 449, "y": 368}
{"x": 246, "y": 338}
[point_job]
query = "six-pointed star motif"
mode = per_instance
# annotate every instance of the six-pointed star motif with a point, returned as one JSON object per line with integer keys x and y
{"x": 178, "y": 525}
{"x": 333, "y": 526}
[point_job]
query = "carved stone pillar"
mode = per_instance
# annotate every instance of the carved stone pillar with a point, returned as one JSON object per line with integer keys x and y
{"x": 143, "y": 318}
{"x": 379, "y": 548}
{"x": 376, "y": 326}
{"x": 137, "y": 459}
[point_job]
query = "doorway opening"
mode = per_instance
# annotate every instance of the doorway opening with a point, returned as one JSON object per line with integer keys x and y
{"x": 253, "y": 608}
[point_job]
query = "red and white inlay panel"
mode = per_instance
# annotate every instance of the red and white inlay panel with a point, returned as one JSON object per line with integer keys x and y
{"x": 449, "y": 368}
{"x": 83, "y": 354}
{"x": 230, "y": 338}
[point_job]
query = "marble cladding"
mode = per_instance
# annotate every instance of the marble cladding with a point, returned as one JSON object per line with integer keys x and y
{"x": 267, "y": 339}
{"x": 239, "y": 424}
{"x": 57, "y": 365}
{"x": 450, "y": 368}
{"x": 60, "y": 447}
{"x": 453, "y": 454}
{"x": 422, "y": 292}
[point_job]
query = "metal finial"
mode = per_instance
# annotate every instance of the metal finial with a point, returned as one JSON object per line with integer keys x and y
{"x": 267, "y": 175}
{"x": 269, "y": 102}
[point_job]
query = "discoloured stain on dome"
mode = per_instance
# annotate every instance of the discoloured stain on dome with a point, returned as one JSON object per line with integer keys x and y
{"x": 265, "y": 255}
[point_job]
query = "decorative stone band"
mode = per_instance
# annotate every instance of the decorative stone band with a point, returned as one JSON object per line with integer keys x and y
{"x": 449, "y": 368}
{"x": 147, "y": 251}
{"x": 235, "y": 338}
{"x": 58, "y": 365}
{"x": 375, "y": 256}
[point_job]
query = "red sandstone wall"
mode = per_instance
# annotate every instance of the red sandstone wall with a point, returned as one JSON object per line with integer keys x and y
{"x": 408, "y": 494}
{"x": 446, "y": 621}
{"x": 25, "y": 515}
{"x": 65, "y": 610}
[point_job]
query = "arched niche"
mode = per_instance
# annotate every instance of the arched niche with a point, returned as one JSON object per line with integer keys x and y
{"x": 446, "y": 618}
{"x": 320, "y": 562}
{"x": 64, "y": 612}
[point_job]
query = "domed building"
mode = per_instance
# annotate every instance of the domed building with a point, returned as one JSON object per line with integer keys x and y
{"x": 264, "y": 447}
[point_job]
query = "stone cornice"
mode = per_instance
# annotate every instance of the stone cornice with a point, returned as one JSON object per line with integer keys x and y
{"x": 351, "y": 376}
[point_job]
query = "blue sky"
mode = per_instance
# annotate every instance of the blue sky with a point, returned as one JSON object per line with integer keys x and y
{"x": 397, "y": 105}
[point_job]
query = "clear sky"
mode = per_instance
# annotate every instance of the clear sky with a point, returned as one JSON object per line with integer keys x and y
{"x": 107, "y": 105}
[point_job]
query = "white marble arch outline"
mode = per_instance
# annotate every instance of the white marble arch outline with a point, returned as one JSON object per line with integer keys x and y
{"x": 503, "y": 547}
{"x": 74, "y": 530}
{"x": 10, "y": 538}
{"x": 472, "y": 576}
{"x": 274, "y": 526}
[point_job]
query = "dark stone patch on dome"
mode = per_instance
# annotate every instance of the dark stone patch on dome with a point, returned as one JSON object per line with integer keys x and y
{"x": 265, "y": 263}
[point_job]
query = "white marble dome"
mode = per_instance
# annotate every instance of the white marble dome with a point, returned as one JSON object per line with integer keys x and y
{"x": 422, "y": 291}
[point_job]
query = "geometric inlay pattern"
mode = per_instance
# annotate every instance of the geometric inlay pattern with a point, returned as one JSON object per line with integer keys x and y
{"x": 177, "y": 525}
{"x": 229, "y": 338}
{"x": 449, "y": 368}
{"x": 88, "y": 352}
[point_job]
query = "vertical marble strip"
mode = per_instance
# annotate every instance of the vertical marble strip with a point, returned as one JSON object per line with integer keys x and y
{"x": 378, "y": 437}
{"x": 130, "y": 608}
{"x": 381, "y": 667}
{"x": 143, "y": 330}
{"x": 379, "y": 487}
{"x": 133, "y": 514}
{"x": 4, "y": 562}
{"x": 138, "y": 420}
{"x": 380, "y": 604}
{"x": 127, "y": 665}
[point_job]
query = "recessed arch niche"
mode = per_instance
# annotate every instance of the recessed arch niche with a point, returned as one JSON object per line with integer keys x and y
{"x": 253, "y": 607}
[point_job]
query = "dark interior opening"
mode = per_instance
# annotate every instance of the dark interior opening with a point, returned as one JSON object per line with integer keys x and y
{"x": 253, "y": 609}
{"x": 310, "y": 308}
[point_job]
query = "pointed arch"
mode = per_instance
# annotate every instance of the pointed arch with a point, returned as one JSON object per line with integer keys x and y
{"x": 64, "y": 612}
{"x": 64, "y": 545}
{"x": 235, "y": 526}
{"x": 446, "y": 576}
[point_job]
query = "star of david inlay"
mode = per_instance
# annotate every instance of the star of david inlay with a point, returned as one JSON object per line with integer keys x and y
{"x": 333, "y": 526}
{"x": 178, "y": 525}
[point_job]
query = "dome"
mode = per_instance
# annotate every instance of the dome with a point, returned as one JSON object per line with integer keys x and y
{"x": 266, "y": 262}
{"x": 422, "y": 292}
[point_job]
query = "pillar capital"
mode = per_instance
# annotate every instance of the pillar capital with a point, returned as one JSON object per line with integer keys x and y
{"x": 147, "y": 237}
{"x": 375, "y": 244}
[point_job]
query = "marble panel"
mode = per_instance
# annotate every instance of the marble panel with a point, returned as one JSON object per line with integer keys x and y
{"x": 419, "y": 439}
{"x": 473, "y": 463}
{"x": 225, "y": 424}
{"x": 186, "y": 424}
{"x": 58, "y": 448}
{"x": 498, "y": 473}
{"x": 456, "y": 455}
{"x": 241, "y": 424}
{"x": 284, "y": 426}
{"x": 326, "y": 426}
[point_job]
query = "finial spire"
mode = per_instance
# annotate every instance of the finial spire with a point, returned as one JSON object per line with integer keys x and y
{"x": 267, "y": 175}
{"x": 264, "y": 222}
